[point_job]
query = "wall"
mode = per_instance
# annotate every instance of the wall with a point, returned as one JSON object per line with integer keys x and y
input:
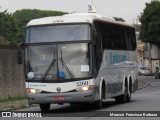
{"x": 154, "y": 52}
{"x": 12, "y": 82}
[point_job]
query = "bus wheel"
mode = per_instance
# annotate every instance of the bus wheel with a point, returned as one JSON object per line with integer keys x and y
{"x": 44, "y": 107}
{"x": 129, "y": 94}
{"x": 99, "y": 104}
{"x": 123, "y": 98}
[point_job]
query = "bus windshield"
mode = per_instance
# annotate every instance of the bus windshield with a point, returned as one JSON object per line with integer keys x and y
{"x": 56, "y": 33}
{"x": 59, "y": 61}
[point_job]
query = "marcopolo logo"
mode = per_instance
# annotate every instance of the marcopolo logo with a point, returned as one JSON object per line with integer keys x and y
{"x": 58, "y": 89}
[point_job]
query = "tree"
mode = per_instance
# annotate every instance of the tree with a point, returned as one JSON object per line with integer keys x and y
{"x": 119, "y": 19}
{"x": 25, "y": 15}
{"x": 150, "y": 23}
{"x": 8, "y": 27}
{"x": 13, "y": 26}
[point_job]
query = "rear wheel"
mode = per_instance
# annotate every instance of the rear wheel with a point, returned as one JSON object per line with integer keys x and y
{"x": 122, "y": 98}
{"x": 129, "y": 94}
{"x": 44, "y": 107}
{"x": 126, "y": 97}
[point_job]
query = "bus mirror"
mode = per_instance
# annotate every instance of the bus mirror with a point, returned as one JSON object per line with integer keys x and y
{"x": 21, "y": 46}
{"x": 19, "y": 57}
{"x": 19, "y": 53}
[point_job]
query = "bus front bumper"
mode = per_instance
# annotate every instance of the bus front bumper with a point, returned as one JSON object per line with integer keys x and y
{"x": 71, "y": 97}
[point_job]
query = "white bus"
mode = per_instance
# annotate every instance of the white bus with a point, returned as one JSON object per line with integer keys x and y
{"x": 79, "y": 58}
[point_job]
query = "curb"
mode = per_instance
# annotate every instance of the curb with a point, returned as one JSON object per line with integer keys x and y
{"x": 144, "y": 86}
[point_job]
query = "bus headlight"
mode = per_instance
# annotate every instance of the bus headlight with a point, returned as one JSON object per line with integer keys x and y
{"x": 85, "y": 88}
{"x": 32, "y": 90}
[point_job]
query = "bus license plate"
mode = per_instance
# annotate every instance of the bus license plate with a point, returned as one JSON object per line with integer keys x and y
{"x": 58, "y": 98}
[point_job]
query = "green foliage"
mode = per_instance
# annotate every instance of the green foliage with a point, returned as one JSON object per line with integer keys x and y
{"x": 23, "y": 106}
{"x": 13, "y": 26}
{"x": 150, "y": 19}
{"x": 10, "y": 99}
{"x": 25, "y": 15}
{"x": 119, "y": 19}
{"x": 12, "y": 107}
{"x": 3, "y": 41}
{"x": 8, "y": 27}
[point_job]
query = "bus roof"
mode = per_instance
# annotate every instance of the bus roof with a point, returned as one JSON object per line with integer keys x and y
{"x": 73, "y": 18}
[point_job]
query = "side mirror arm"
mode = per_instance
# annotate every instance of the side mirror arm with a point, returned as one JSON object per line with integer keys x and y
{"x": 19, "y": 53}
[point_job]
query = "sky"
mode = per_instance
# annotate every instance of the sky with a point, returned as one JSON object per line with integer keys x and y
{"x": 126, "y": 9}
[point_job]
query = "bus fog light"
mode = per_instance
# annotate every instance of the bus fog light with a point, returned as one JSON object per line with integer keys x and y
{"x": 32, "y": 90}
{"x": 85, "y": 88}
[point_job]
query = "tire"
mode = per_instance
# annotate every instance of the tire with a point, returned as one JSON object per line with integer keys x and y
{"x": 126, "y": 97}
{"x": 99, "y": 104}
{"x": 73, "y": 103}
{"x": 129, "y": 95}
{"x": 121, "y": 99}
{"x": 44, "y": 107}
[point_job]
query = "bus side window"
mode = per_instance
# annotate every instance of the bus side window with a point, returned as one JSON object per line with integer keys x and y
{"x": 98, "y": 52}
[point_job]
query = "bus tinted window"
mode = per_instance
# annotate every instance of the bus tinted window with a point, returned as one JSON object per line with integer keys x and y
{"x": 130, "y": 38}
{"x": 114, "y": 36}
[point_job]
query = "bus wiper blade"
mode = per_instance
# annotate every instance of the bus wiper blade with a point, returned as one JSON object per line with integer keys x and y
{"x": 65, "y": 66}
{"x": 48, "y": 69}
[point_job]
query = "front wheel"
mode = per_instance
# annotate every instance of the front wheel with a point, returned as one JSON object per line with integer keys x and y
{"x": 99, "y": 104}
{"x": 44, "y": 107}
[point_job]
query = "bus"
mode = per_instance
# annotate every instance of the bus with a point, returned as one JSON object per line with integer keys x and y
{"x": 79, "y": 58}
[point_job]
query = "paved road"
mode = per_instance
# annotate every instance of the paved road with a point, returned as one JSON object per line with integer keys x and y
{"x": 147, "y": 99}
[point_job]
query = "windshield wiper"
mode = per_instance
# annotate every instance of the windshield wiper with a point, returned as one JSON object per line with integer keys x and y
{"x": 65, "y": 66}
{"x": 49, "y": 67}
